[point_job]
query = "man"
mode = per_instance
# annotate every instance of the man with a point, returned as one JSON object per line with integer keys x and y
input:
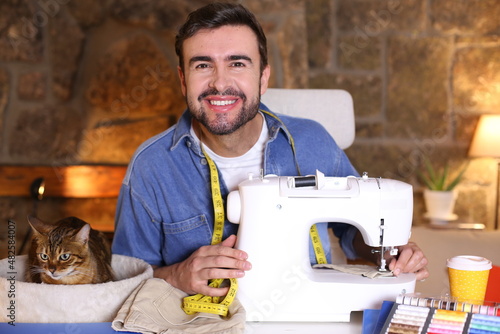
{"x": 165, "y": 213}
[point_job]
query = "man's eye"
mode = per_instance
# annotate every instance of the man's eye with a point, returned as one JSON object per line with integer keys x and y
{"x": 238, "y": 64}
{"x": 202, "y": 66}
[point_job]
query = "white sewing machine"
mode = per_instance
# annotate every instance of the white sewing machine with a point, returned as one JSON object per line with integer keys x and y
{"x": 275, "y": 215}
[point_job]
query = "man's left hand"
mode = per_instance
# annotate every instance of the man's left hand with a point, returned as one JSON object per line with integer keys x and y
{"x": 410, "y": 259}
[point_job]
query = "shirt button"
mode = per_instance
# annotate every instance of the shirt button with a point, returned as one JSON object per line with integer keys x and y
{"x": 188, "y": 143}
{"x": 203, "y": 161}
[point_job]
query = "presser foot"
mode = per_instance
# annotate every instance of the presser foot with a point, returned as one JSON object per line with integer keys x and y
{"x": 383, "y": 262}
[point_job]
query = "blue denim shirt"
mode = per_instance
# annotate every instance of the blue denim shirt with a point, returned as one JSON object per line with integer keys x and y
{"x": 165, "y": 211}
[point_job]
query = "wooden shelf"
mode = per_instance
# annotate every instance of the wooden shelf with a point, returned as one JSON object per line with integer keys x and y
{"x": 84, "y": 181}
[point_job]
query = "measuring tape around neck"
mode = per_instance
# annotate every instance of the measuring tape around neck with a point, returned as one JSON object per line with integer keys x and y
{"x": 209, "y": 304}
{"x": 200, "y": 302}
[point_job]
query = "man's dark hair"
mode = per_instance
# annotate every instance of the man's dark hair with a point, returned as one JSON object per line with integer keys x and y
{"x": 216, "y": 15}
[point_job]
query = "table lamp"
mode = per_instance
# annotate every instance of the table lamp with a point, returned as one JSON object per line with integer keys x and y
{"x": 486, "y": 143}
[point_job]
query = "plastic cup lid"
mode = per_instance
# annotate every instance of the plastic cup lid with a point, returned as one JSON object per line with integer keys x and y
{"x": 469, "y": 262}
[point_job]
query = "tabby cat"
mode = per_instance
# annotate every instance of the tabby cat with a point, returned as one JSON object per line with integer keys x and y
{"x": 68, "y": 252}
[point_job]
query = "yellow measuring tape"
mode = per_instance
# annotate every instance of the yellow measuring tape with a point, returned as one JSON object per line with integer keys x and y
{"x": 209, "y": 304}
{"x": 317, "y": 246}
{"x": 200, "y": 302}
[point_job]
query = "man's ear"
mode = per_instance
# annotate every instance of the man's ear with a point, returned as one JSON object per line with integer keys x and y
{"x": 182, "y": 78}
{"x": 264, "y": 79}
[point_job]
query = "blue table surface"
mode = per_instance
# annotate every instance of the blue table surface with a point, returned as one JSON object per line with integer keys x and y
{"x": 25, "y": 328}
{"x": 372, "y": 322}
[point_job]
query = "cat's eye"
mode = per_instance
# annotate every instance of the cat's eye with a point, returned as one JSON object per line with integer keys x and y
{"x": 43, "y": 256}
{"x": 65, "y": 257}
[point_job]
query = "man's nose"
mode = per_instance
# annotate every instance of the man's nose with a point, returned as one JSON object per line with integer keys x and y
{"x": 221, "y": 80}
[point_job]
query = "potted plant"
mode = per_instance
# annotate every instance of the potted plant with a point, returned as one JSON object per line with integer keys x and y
{"x": 440, "y": 195}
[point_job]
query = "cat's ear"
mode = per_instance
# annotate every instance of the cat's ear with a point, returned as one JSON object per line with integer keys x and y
{"x": 83, "y": 235}
{"x": 39, "y": 226}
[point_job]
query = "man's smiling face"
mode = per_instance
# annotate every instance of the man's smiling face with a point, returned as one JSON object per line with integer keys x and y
{"x": 222, "y": 79}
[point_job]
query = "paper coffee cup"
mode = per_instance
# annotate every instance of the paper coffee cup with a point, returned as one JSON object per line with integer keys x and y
{"x": 468, "y": 278}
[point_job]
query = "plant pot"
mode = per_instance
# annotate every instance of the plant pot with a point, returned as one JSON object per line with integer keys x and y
{"x": 440, "y": 204}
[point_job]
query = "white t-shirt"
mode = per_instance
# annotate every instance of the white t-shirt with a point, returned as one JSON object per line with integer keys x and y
{"x": 235, "y": 170}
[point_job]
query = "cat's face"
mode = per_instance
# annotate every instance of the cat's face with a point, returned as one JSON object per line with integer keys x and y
{"x": 61, "y": 252}
{"x": 58, "y": 260}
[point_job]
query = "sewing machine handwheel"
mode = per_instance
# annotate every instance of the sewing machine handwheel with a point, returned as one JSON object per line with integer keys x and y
{"x": 234, "y": 207}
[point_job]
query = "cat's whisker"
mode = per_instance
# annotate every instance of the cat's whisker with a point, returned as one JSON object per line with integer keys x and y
{"x": 36, "y": 270}
{"x": 82, "y": 273}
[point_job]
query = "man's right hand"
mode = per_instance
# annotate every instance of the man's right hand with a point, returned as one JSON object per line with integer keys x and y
{"x": 206, "y": 263}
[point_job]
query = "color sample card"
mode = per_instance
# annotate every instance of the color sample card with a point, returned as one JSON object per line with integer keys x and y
{"x": 488, "y": 307}
{"x": 484, "y": 324}
{"x": 445, "y": 321}
{"x": 409, "y": 319}
{"x": 406, "y": 319}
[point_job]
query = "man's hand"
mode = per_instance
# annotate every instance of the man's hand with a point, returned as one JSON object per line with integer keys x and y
{"x": 410, "y": 259}
{"x": 208, "y": 262}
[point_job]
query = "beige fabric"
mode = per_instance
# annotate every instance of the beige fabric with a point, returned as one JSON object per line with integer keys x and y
{"x": 155, "y": 307}
{"x": 356, "y": 269}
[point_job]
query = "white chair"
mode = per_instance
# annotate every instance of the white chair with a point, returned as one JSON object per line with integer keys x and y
{"x": 333, "y": 108}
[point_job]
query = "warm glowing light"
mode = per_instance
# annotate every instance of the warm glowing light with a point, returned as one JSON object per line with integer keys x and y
{"x": 486, "y": 141}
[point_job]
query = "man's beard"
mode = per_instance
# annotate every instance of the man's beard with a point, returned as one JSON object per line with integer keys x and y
{"x": 221, "y": 125}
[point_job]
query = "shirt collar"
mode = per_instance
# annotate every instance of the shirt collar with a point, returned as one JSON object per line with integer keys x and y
{"x": 181, "y": 129}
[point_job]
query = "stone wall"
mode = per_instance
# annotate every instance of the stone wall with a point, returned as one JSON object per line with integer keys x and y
{"x": 88, "y": 81}
{"x": 420, "y": 72}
